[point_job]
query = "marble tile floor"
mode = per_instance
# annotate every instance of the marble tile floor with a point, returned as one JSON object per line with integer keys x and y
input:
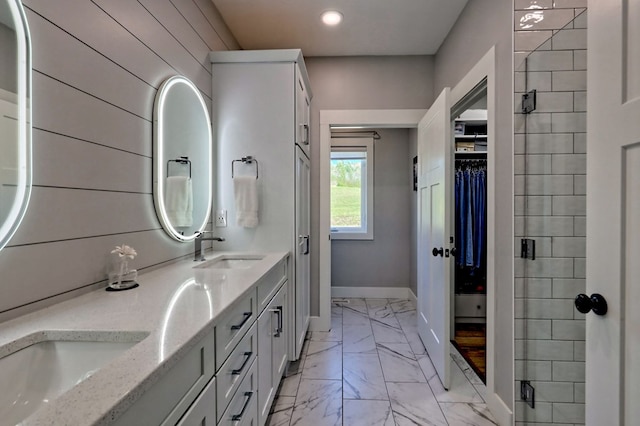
{"x": 372, "y": 369}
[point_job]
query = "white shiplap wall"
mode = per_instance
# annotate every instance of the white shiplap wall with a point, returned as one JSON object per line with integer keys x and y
{"x": 96, "y": 69}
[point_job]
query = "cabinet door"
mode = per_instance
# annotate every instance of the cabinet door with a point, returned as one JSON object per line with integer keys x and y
{"x": 203, "y": 411}
{"x": 300, "y": 299}
{"x": 280, "y": 335}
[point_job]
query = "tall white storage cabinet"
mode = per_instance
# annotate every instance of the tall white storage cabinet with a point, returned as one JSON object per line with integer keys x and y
{"x": 261, "y": 102}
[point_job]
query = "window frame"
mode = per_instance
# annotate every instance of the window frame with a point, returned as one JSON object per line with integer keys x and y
{"x": 365, "y": 232}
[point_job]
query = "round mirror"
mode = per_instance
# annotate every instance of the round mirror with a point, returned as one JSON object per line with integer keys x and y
{"x": 182, "y": 166}
{"x": 15, "y": 117}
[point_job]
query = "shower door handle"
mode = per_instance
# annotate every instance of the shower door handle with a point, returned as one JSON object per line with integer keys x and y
{"x": 595, "y": 303}
{"x": 437, "y": 252}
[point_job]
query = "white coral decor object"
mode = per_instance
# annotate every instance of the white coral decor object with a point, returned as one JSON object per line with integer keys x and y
{"x": 125, "y": 251}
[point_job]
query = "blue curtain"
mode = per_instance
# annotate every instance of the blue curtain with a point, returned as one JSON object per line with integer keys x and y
{"x": 471, "y": 213}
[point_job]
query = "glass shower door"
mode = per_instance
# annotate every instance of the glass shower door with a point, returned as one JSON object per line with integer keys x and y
{"x": 550, "y": 224}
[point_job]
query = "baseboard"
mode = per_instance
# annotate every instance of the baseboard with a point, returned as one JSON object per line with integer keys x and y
{"x": 371, "y": 292}
{"x": 316, "y": 324}
{"x": 413, "y": 297}
{"x": 499, "y": 410}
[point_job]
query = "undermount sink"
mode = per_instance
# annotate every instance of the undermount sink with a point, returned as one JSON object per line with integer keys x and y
{"x": 52, "y": 363}
{"x": 232, "y": 261}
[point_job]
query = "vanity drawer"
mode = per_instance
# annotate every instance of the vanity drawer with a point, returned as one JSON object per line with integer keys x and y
{"x": 175, "y": 391}
{"x": 203, "y": 410}
{"x": 235, "y": 369}
{"x": 233, "y": 326}
{"x": 269, "y": 284}
{"x": 243, "y": 408}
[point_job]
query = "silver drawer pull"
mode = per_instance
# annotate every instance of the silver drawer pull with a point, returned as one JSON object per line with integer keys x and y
{"x": 244, "y": 364}
{"x": 237, "y": 417}
{"x": 247, "y": 315}
{"x": 306, "y": 134}
{"x": 278, "y": 311}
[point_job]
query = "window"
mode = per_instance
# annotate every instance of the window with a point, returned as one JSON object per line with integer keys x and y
{"x": 352, "y": 188}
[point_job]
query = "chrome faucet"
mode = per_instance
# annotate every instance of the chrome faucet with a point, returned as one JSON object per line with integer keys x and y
{"x": 197, "y": 255}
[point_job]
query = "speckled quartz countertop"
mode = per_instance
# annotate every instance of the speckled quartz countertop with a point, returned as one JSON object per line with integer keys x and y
{"x": 176, "y": 305}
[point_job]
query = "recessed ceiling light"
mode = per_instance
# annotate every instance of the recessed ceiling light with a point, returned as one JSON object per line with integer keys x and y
{"x": 332, "y": 17}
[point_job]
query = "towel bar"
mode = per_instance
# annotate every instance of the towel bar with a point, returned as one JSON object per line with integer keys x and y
{"x": 181, "y": 160}
{"x": 246, "y": 160}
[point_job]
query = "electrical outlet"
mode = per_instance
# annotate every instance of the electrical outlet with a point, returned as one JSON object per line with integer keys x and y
{"x": 221, "y": 218}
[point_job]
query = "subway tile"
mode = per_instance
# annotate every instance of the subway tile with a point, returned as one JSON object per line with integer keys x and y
{"x": 533, "y": 4}
{"x": 520, "y": 81}
{"x": 549, "y": 19}
{"x": 519, "y": 61}
{"x": 519, "y": 226}
{"x": 580, "y": 20}
{"x": 570, "y": 39}
{"x": 533, "y": 370}
{"x": 568, "y": 413}
{"x": 565, "y": 81}
{"x": 549, "y": 226}
{"x": 540, "y": 80}
{"x": 535, "y": 205}
{"x": 519, "y": 143}
{"x": 579, "y": 351}
{"x": 542, "y": 413}
{"x": 550, "y": 61}
{"x": 569, "y": 246}
{"x": 570, "y": 164}
{"x": 568, "y": 371}
{"x": 569, "y": 205}
{"x": 548, "y": 350}
{"x": 569, "y": 4}
{"x": 538, "y": 122}
{"x": 547, "y": 268}
{"x": 580, "y": 102}
{"x": 549, "y": 309}
{"x": 530, "y": 40}
{"x": 553, "y": 391}
{"x": 568, "y": 288}
{"x": 539, "y": 288}
{"x": 579, "y": 59}
{"x": 534, "y": 164}
{"x": 532, "y": 329}
{"x": 549, "y": 144}
{"x": 580, "y": 185}
{"x": 580, "y": 226}
{"x": 549, "y": 185}
{"x": 543, "y": 246}
{"x": 578, "y": 392}
{"x": 580, "y": 268}
{"x": 555, "y": 101}
{"x": 579, "y": 142}
{"x": 568, "y": 329}
{"x": 569, "y": 122}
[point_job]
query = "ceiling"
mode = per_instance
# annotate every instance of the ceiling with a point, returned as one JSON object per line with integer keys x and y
{"x": 370, "y": 27}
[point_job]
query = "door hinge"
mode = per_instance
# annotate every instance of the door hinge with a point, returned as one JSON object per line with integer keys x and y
{"x": 529, "y": 102}
{"x": 527, "y": 393}
{"x": 528, "y": 248}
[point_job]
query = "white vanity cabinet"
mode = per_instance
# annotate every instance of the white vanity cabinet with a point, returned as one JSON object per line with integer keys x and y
{"x": 261, "y": 108}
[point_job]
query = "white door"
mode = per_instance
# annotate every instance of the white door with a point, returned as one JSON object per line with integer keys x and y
{"x": 302, "y": 256}
{"x": 434, "y": 231}
{"x": 613, "y": 212}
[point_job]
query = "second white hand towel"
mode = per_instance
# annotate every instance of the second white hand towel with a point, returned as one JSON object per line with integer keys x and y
{"x": 245, "y": 190}
{"x": 179, "y": 201}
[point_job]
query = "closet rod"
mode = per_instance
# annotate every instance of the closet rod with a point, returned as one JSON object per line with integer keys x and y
{"x": 364, "y": 134}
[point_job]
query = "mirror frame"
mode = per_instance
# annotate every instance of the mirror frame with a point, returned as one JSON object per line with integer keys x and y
{"x": 23, "y": 193}
{"x": 159, "y": 160}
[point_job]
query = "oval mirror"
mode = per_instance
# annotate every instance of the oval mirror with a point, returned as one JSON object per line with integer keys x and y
{"x": 15, "y": 117}
{"x": 182, "y": 165}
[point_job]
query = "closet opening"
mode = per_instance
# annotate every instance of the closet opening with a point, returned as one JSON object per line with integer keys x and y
{"x": 469, "y": 310}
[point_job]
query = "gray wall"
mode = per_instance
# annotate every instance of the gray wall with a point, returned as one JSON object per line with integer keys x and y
{"x": 8, "y": 51}
{"x": 481, "y": 25}
{"x": 97, "y": 66}
{"x": 385, "y": 260}
{"x": 397, "y": 82}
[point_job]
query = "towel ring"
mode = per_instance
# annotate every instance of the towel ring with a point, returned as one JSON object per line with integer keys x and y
{"x": 246, "y": 160}
{"x": 181, "y": 160}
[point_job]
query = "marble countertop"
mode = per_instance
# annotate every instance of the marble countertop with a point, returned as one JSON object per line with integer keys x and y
{"x": 176, "y": 305}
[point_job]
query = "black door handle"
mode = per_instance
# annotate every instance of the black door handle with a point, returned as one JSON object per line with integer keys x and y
{"x": 595, "y": 303}
{"x": 453, "y": 252}
{"x": 437, "y": 252}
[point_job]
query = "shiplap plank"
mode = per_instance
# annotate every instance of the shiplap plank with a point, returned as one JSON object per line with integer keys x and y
{"x": 59, "y": 214}
{"x": 63, "y": 57}
{"x": 62, "y": 109}
{"x": 212, "y": 15}
{"x": 31, "y": 273}
{"x": 146, "y": 28}
{"x": 195, "y": 16}
{"x": 87, "y": 22}
{"x": 171, "y": 18}
{"x": 67, "y": 162}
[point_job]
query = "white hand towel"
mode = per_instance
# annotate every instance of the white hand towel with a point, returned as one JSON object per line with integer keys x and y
{"x": 178, "y": 200}
{"x": 245, "y": 190}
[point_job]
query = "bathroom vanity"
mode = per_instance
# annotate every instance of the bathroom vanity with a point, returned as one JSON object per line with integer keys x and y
{"x": 196, "y": 344}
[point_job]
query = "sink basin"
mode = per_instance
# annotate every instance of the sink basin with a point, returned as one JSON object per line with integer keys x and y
{"x": 35, "y": 375}
{"x": 232, "y": 262}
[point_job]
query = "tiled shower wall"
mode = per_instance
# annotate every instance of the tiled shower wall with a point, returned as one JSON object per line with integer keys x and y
{"x": 550, "y": 188}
